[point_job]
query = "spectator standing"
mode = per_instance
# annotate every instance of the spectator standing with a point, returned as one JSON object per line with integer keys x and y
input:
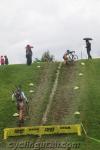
{"x": 2, "y": 60}
{"x": 6, "y": 60}
{"x": 29, "y": 54}
{"x": 88, "y": 47}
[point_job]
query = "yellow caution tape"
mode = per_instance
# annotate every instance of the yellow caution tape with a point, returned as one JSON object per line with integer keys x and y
{"x": 43, "y": 130}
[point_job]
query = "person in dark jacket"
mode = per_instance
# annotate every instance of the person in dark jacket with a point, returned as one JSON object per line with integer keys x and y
{"x": 88, "y": 47}
{"x": 29, "y": 54}
{"x": 6, "y": 60}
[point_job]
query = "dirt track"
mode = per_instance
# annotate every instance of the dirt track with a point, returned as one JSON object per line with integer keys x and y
{"x": 63, "y": 105}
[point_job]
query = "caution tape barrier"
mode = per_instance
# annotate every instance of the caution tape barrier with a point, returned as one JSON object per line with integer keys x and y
{"x": 43, "y": 130}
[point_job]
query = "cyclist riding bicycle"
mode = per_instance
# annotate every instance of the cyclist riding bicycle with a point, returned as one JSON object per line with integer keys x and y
{"x": 69, "y": 57}
{"x": 21, "y": 101}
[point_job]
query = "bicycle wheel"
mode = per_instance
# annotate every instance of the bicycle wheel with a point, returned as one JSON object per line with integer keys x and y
{"x": 75, "y": 57}
{"x": 69, "y": 57}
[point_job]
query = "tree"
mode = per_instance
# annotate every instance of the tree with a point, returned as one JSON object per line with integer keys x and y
{"x": 47, "y": 57}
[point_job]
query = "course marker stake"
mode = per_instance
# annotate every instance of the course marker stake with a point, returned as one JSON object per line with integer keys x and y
{"x": 80, "y": 74}
{"x": 38, "y": 66}
{"x": 31, "y": 84}
{"x": 76, "y": 88}
{"x": 31, "y": 91}
{"x": 77, "y": 113}
{"x": 15, "y": 115}
{"x": 82, "y": 63}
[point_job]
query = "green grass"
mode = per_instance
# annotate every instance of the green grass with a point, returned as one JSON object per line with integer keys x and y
{"x": 10, "y": 77}
{"x": 66, "y": 100}
{"x": 86, "y": 100}
{"x": 14, "y": 75}
{"x": 90, "y": 104}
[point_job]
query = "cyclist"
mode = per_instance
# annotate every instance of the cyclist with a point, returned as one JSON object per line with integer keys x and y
{"x": 69, "y": 56}
{"x": 20, "y": 99}
{"x": 65, "y": 58}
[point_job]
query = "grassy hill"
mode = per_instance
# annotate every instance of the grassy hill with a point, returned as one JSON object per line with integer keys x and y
{"x": 42, "y": 75}
{"x": 66, "y": 100}
{"x": 86, "y": 100}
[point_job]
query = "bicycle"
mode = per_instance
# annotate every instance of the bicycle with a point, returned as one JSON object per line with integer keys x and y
{"x": 72, "y": 57}
{"x": 22, "y": 105}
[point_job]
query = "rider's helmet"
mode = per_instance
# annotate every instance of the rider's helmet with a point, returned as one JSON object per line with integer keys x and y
{"x": 18, "y": 94}
{"x": 68, "y": 51}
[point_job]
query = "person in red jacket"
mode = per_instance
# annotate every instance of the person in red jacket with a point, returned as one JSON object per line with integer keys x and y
{"x": 2, "y": 60}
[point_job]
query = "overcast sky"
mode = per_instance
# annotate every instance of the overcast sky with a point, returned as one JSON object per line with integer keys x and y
{"x": 55, "y": 25}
